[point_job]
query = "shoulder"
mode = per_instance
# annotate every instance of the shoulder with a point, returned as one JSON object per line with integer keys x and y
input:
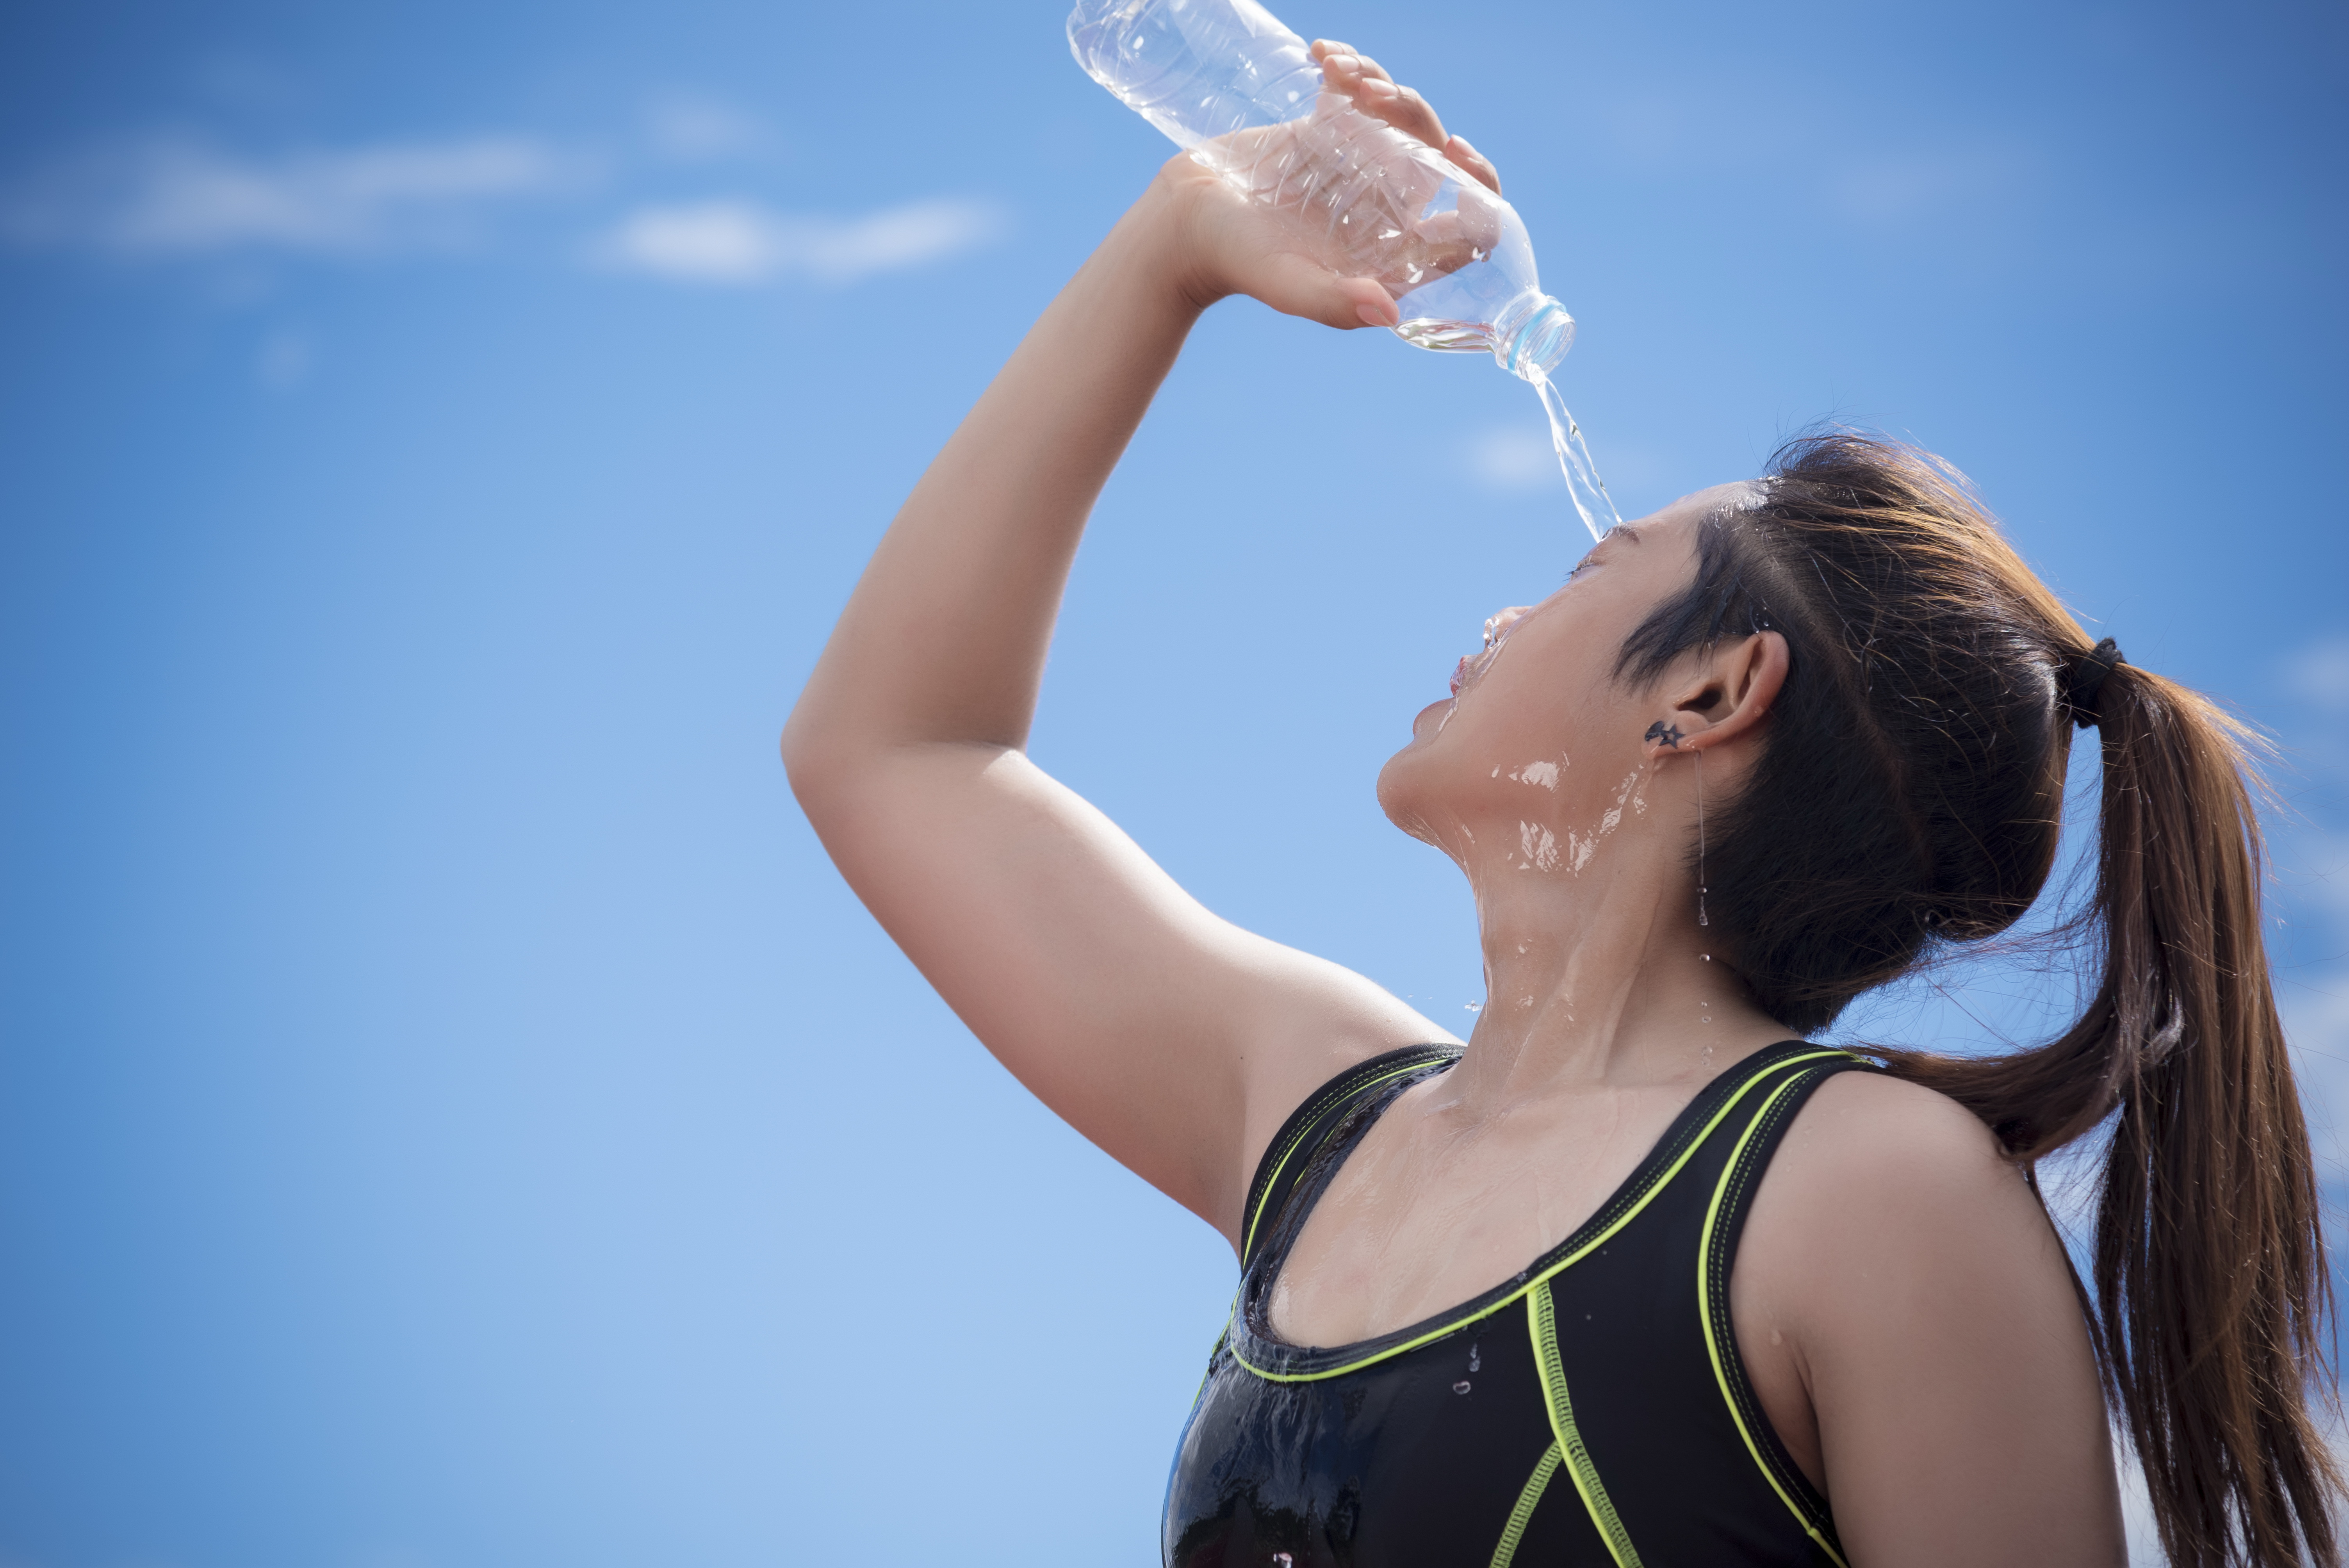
{"x": 1900, "y": 1139}
{"x": 1898, "y": 1265}
{"x": 1886, "y": 1195}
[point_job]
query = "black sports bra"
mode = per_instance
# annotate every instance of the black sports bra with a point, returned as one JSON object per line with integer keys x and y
{"x": 1590, "y": 1412}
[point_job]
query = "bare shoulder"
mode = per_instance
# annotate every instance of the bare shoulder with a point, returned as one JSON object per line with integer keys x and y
{"x": 1902, "y": 1141}
{"x": 1884, "y": 1181}
{"x": 1905, "y": 1276}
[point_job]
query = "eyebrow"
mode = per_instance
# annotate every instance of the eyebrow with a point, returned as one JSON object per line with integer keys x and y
{"x": 1629, "y": 530}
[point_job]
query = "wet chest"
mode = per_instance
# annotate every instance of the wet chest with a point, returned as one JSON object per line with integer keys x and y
{"x": 1431, "y": 1208}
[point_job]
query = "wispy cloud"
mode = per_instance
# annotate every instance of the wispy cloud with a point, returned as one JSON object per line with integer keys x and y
{"x": 2309, "y": 850}
{"x": 740, "y": 241}
{"x": 2319, "y": 675}
{"x": 1513, "y": 460}
{"x": 1910, "y": 184}
{"x": 189, "y": 196}
{"x": 180, "y": 197}
{"x": 284, "y": 361}
{"x": 694, "y": 127}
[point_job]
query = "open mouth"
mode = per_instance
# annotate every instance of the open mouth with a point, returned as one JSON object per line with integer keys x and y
{"x": 1472, "y": 668}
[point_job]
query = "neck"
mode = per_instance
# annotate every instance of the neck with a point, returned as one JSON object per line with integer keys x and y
{"x": 1601, "y": 977}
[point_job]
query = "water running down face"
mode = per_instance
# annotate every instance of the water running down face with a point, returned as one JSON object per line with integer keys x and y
{"x": 1539, "y": 748}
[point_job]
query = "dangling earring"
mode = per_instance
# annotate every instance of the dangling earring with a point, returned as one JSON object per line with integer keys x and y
{"x": 1700, "y": 839}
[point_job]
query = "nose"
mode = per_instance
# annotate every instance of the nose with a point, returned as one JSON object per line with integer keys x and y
{"x": 1497, "y": 627}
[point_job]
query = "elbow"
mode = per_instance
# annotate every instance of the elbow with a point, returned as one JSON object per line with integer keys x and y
{"x": 811, "y": 761}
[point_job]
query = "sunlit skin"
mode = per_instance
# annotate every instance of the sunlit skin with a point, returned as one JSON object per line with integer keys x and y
{"x": 1898, "y": 1295}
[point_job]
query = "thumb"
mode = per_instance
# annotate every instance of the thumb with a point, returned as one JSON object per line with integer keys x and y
{"x": 1295, "y": 285}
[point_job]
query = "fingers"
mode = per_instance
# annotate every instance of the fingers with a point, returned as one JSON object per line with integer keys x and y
{"x": 1458, "y": 151}
{"x": 1296, "y": 285}
{"x": 1376, "y": 94}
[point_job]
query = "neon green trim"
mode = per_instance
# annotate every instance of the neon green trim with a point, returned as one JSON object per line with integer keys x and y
{"x": 1248, "y": 1241}
{"x": 1522, "y": 1515}
{"x": 1541, "y": 1321}
{"x": 1563, "y": 1263}
{"x": 1704, "y": 1303}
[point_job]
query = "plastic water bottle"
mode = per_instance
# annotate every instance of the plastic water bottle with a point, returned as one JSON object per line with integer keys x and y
{"x": 1242, "y": 93}
{"x": 1245, "y": 96}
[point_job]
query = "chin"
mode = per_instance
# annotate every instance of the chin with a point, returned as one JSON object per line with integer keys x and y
{"x": 1404, "y": 792}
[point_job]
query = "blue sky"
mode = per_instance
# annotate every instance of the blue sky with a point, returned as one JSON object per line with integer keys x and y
{"x": 451, "y": 1114}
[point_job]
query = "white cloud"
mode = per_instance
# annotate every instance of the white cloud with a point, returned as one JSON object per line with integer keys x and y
{"x": 695, "y": 128}
{"x": 1910, "y": 184}
{"x": 2137, "y": 1506}
{"x": 2319, "y": 674}
{"x": 739, "y": 241}
{"x": 184, "y": 197}
{"x": 284, "y": 361}
{"x": 1514, "y": 459}
{"x": 2310, "y": 893}
{"x": 2316, "y": 1022}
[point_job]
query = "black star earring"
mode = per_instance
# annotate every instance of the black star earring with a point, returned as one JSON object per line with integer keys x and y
{"x": 1669, "y": 734}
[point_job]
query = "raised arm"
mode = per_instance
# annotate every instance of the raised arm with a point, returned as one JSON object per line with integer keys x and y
{"x": 1171, "y": 1038}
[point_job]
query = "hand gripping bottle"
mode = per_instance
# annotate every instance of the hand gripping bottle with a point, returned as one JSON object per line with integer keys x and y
{"x": 1239, "y": 90}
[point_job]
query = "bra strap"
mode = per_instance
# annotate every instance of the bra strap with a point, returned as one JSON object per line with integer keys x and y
{"x": 1311, "y": 1124}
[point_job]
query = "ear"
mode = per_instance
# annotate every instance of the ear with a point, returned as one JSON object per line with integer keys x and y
{"x": 1728, "y": 695}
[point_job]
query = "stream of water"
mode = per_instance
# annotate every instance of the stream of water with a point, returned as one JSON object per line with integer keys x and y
{"x": 1582, "y": 481}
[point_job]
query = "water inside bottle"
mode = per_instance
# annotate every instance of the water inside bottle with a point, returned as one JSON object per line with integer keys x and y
{"x": 1591, "y": 501}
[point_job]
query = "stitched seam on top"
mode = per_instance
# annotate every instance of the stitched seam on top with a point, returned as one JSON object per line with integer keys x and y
{"x": 1355, "y": 1081}
{"x": 1643, "y": 1198}
{"x": 1542, "y": 1320}
{"x": 1712, "y": 1278}
{"x": 1529, "y": 1498}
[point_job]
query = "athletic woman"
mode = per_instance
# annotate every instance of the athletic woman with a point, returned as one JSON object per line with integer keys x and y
{"x": 1635, "y": 1274}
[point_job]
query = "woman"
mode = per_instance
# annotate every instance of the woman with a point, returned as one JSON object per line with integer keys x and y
{"x": 1634, "y": 1275}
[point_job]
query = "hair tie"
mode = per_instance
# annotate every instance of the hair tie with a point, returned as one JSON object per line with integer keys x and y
{"x": 2084, "y": 677}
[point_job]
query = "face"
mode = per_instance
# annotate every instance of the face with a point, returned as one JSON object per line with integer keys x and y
{"x": 1538, "y": 733}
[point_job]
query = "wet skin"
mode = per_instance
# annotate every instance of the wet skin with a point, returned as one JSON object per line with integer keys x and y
{"x": 1898, "y": 1295}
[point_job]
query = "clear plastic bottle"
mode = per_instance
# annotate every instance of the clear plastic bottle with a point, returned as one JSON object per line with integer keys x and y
{"x": 1244, "y": 97}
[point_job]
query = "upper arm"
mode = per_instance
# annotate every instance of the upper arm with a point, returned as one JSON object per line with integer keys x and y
{"x": 1939, "y": 1334}
{"x": 1173, "y": 1040}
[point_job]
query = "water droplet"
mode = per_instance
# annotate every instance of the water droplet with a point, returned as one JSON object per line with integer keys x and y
{"x": 1474, "y": 1365}
{"x": 1473, "y": 1006}
{"x": 1461, "y": 1387}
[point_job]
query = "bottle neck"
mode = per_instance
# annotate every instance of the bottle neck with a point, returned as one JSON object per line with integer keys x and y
{"x": 1531, "y": 334}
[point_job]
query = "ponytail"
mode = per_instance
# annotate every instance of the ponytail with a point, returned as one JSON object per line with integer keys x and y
{"x": 1909, "y": 800}
{"x": 2211, "y": 1291}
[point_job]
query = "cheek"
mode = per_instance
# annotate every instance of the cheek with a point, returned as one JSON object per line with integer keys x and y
{"x": 1518, "y": 718}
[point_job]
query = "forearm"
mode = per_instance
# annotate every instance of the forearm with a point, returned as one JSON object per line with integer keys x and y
{"x": 944, "y": 638}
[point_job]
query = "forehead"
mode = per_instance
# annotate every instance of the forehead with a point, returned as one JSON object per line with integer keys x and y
{"x": 1698, "y": 505}
{"x": 1673, "y": 527}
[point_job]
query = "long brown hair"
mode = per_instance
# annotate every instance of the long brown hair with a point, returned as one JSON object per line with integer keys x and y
{"x": 1910, "y": 797}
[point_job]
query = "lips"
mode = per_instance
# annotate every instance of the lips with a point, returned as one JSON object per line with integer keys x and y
{"x": 1471, "y": 669}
